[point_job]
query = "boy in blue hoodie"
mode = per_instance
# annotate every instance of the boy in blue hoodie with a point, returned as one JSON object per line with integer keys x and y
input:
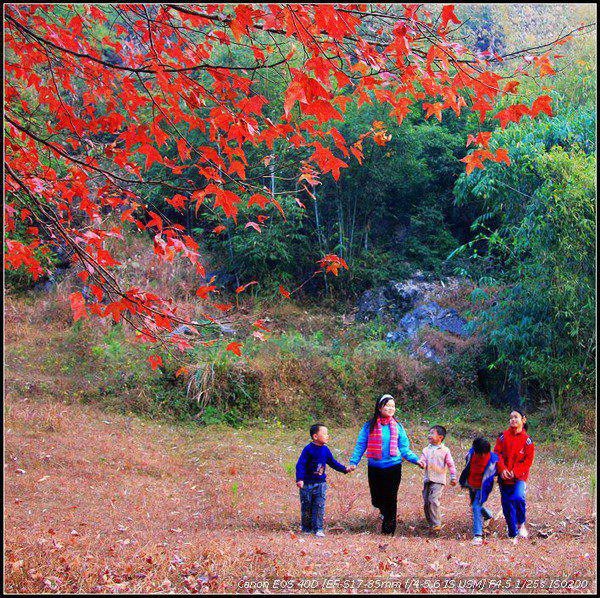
{"x": 478, "y": 477}
{"x": 311, "y": 479}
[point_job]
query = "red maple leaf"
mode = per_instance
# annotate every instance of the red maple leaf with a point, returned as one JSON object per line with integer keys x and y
{"x": 245, "y": 286}
{"x": 544, "y": 65}
{"x": 156, "y": 221}
{"x": 323, "y": 110}
{"x": 155, "y": 361}
{"x": 261, "y": 200}
{"x": 473, "y": 160}
{"x": 203, "y": 291}
{"x": 235, "y": 347}
{"x": 511, "y": 87}
{"x": 448, "y": 15}
{"x": 223, "y": 306}
{"x": 513, "y": 113}
{"x": 152, "y": 155}
{"x": 178, "y": 201}
{"x": 502, "y": 156}
{"x": 332, "y": 263}
{"x": 541, "y": 104}
{"x": 435, "y": 108}
{"x": 482, "y": 106}
{"x": 226, "y": 200}
{"x": 78, "y": 306}
{"x": 479, "y": 139}
{"x": 115, "y": 309}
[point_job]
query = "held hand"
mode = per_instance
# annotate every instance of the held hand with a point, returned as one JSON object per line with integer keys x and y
{"x": 506, "y": 475}
{"x": 453, "y": 482}
{"x": 300, "y": 484}
{"x": 421, "y": 463}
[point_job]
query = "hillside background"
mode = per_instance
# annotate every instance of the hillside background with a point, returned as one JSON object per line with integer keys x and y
{"x": 508, "y": 251}
{"x": 465, "y": 296}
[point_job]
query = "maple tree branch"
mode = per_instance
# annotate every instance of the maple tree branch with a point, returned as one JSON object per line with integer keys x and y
{"x": 207, "y": 67}
{"x": 95, "y": 265}
{"x": 106, "y": 173}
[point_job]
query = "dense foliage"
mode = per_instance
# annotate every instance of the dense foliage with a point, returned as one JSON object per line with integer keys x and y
{"x": 286, "y": 142}
{"x": 536, "y": 239}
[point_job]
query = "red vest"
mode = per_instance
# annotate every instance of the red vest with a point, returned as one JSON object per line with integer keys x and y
{"x": 476, "y": 468}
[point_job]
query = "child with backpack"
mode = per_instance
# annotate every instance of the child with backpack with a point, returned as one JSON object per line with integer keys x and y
{"x": 478, "y": 478}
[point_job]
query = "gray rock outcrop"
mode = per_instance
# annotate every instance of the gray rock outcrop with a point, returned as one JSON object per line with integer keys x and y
{"x": 428, "y": 314}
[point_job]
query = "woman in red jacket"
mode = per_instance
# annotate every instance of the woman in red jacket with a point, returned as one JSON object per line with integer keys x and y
{"x": 515, "y": 451}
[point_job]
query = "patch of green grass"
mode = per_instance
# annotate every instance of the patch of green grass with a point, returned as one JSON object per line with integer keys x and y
{"x": 234, "y": 493}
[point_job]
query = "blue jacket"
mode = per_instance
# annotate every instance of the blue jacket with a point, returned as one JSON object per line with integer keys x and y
{"x": 310, "y": 467}
{"x": 487, "y": 481}
{"x": 386, "y": 460}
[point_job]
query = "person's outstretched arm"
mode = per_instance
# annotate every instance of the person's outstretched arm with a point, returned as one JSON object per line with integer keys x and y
{"x": 500, "y": 465}
{"x": 335, "y": 464}
{"x": 449, "y": 462}
{"x": 361, "y": 445}
{"x": 404, "y": 446}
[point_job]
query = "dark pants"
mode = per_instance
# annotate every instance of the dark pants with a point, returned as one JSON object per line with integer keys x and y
{"x": 384, "y": 483}
{"x": 312, "y": 504}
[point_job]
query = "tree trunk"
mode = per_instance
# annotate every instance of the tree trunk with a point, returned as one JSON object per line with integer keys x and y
{"x": 340, "y": 221}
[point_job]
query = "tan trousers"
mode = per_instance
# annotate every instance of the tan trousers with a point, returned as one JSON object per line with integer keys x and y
{"x": 432, "y": 493}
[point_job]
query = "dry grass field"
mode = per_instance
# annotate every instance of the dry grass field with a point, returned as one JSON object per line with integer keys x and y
{"x": 106, "y": 503}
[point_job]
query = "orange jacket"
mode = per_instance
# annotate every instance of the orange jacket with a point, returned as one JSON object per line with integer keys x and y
{"x": 515, "y": 452}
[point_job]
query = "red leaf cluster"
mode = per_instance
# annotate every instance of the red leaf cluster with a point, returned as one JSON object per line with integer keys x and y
{"x": 92, "y": 124}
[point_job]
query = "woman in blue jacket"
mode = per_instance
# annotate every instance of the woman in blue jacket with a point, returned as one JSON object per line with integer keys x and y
{"x": 387, "y": 445}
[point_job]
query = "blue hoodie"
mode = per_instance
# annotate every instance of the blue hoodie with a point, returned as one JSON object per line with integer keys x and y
{"x": 313, "y": 460}
{"x": 386, "y": 460}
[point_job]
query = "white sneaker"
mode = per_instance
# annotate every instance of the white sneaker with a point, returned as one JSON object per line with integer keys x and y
{"x": 477, "y": 541}
{"x": 514, "y": 540}
{"x": 523, "y": 533}
{"x": 320, "y": 534}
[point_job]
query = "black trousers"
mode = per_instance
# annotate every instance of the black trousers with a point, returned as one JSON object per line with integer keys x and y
{"x": 383, "y": 484}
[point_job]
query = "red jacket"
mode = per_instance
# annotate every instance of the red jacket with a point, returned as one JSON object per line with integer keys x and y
{"x": 515, "y": 452}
